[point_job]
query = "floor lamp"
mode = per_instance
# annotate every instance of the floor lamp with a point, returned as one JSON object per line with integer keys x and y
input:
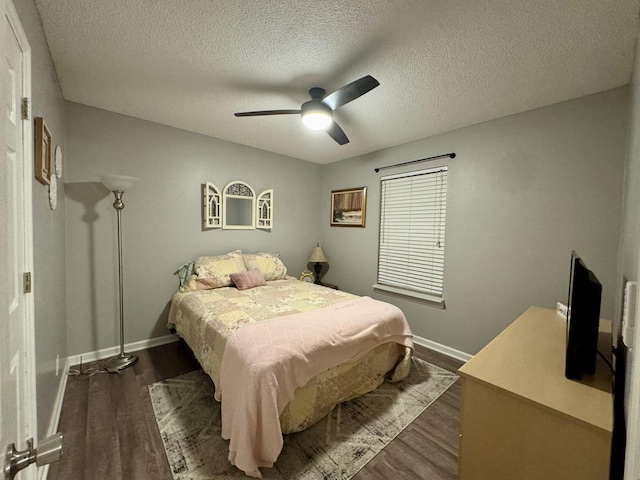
{"x": 118, "y": 184}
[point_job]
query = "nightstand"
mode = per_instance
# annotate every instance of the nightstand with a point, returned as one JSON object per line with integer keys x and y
{"x": 328, "y": 285}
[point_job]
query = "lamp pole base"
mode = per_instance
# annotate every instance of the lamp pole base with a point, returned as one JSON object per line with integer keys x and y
{"x": 121, "y": 361}
{"x": 317, "y": 267}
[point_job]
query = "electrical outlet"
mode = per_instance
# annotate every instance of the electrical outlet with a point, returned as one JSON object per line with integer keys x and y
{"x": 57, "y": 365}
{"x": 561, "y": 309}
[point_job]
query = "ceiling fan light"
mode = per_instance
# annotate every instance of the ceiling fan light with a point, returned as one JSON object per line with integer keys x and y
{"x": 316, "y": 120}
{"x": 316, "y": 115}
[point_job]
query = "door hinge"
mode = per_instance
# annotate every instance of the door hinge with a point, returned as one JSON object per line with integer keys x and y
{"x": 27, "y": 282}
{"x": 25, "y": 108}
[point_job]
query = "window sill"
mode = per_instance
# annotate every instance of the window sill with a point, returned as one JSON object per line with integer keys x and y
{"x": 430, "y": 300}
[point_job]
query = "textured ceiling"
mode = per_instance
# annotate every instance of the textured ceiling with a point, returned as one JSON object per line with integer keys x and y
{"x": 442, "y": 65}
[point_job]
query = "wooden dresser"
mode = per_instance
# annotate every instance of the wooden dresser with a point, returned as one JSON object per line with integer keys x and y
{"x": 522, "y": 419}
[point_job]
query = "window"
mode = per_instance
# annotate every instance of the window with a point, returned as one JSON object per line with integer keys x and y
{"x": 412, "y": 227}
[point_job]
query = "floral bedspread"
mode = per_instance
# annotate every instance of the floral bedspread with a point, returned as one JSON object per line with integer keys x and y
{"x": 207, "y": 318}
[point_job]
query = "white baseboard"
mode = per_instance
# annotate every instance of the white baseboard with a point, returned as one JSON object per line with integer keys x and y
{"x": 438, "y": 347}
{"x": 129, "y": 347}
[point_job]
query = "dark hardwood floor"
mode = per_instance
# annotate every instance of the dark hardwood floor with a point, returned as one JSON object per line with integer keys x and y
{"x": 110, "y": 432}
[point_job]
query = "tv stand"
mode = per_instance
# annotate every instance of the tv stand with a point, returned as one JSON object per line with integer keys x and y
{"x": 523, "y": 419}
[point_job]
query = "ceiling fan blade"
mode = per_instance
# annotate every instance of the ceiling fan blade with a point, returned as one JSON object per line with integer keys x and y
{"x": 351, "y": 91}
{"x": 337, "y": 133}
{"x": 266, "y": 112}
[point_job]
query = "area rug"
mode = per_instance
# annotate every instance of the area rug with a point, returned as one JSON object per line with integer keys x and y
{"x": 335, "y": 448}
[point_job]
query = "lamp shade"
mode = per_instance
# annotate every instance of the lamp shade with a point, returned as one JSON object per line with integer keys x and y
{"x": 317, "y": 255}
{"x": 117, "y": 183}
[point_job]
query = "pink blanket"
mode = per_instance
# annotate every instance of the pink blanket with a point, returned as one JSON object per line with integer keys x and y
{"x": 264, "y": 363}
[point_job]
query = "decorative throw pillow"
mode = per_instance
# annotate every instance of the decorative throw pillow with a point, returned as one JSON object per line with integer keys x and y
{"x": 269, "y": 264}
{"x": 249, "y": 279}
{"x": 216, "y": 271}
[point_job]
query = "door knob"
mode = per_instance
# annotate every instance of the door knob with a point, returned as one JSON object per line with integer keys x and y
{"x": 49, "y": 450}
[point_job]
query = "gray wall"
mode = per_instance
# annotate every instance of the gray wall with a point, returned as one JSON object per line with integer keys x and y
{"x": 524, "y": 191}
{"x": 162, "y": 218}
{"x": 48, "y": 225}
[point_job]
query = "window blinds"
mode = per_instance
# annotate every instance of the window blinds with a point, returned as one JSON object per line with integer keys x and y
{"x": 412, "y": 227}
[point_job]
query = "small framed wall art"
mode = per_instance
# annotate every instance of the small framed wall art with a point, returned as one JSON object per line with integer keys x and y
{"x": 349, "y": 207}
{"x": 42, "y": 152}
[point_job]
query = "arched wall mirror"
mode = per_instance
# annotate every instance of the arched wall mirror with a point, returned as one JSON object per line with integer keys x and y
{"x": 237, "y": 207}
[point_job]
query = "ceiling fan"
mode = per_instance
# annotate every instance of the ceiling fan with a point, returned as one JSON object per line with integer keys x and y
{"x": 317, "y": 113}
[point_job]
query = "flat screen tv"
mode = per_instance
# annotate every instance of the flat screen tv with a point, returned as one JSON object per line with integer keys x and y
{"x": 583, "y": 317}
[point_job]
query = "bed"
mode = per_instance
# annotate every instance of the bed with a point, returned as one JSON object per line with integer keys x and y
{"x": 281, "y": 352}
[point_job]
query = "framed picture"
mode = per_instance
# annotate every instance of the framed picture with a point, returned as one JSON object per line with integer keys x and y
{"x": 42, "y": 152}
{"x": 349, "y": 207}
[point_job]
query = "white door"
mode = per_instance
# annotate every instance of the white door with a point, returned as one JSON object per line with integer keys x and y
{"x": 17, "y": 364}
{"x": 632, "y": 456}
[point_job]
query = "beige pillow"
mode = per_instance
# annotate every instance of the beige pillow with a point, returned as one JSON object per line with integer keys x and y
{"x": 269, "y": 265}
{"x": 216, "y": 271}
{"x": 249, "y": 279}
